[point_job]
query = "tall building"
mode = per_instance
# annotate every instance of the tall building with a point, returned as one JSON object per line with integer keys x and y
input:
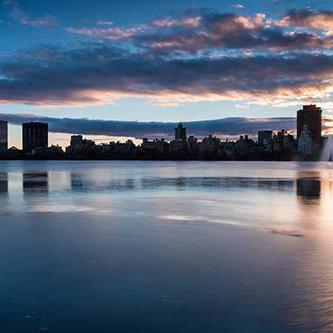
{"x": 76, "y": 140}
{"x": 310, "y": 118}
{"x": 3, "y": 136}
{"x": 180, "y": 133}
{"x": 79, "y": 144}
{"x": 35, "y": 135}
{"x": 265, "y": 138}
{"x": 305, "y": 142}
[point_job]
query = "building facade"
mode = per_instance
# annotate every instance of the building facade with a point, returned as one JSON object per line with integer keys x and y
{"x": 311, "y": 118}
{"x": 34, "y": 135}
{"x": 180, "y": 133}
{"x": 265, "y": 138}
{"x": 305, "y": 145}
{"x": 78, "y": 143}
{"x": 3, "y": 136}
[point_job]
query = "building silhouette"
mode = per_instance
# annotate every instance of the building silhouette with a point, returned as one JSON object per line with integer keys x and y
{"x": 157, "y": 148}
{"x": 265, "y": 137}
{"x": 76, "y": 140}
{"x": 270, "y": 144}
{"x": 3, "y": 136}
{"x": 35, "y": 135}
{"x": 180, "y": 133}
{"x": 79, "y": 146}
{"x": 310, "y": 119}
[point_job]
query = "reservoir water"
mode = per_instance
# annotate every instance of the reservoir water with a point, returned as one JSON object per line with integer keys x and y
{"x": 166, "y": 247}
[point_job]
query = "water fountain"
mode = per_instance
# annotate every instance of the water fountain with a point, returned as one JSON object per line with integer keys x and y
{"x": 327, "y": 153}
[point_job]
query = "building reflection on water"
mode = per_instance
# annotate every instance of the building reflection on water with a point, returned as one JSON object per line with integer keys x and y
{"x": 3, "y": 191}
{"x": 309, "y": 187}
{"x": 81, "y": 181}
{"x": 77, "y": 182}
{"x": 315, "y": 269}
{"x": 314, "y": 192}
{"x": 35, "y": 183}
{"x": 3, "y": 183}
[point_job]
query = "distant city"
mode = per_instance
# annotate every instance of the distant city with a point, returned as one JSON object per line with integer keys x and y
{"x": 269, "y": 145}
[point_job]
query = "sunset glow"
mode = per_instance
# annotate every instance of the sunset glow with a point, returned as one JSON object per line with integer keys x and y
{"x": 193, "y": 62}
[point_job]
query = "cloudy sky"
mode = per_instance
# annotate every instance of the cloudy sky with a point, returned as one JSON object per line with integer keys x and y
{"x": 107, "y": 61}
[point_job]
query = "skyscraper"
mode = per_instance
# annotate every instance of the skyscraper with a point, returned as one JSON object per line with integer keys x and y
{"x": 3, "y": 136}
{"x": 309, "y": 118}
{"x": 265, "y": 138}
{"x": 35, "y": 135}
{"x": 180, "y": 132}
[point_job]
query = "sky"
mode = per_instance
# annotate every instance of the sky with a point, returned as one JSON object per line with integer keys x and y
{"x": 111, "y": 64}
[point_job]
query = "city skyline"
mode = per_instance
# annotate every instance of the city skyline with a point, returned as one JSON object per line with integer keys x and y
{"x": 165, "y": 63}
{"x": 231, "y": 128}
{"x": 269, "y": 144}
{"x": 166, "y": 166}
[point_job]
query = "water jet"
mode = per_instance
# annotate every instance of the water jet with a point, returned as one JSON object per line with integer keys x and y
{"x": 327, "y": 152}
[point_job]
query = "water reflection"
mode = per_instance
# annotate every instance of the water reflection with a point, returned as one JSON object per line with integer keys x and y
{"x": 84, "y": 182}
{"x": 265, "y": 239}
{"x": 3, "y": 183}
{"x": 81, "y": 181}
{"x": 309, "y": 187}
{"x": 227, "y": 183}
{"x": 3, "y": 192}
{"x": 35, "y": 183}
{"x": 315, "y": 269}
{"x": 77, "y": 182}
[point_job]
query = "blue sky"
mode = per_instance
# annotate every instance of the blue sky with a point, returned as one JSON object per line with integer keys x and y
{"x": 160, "y": 60}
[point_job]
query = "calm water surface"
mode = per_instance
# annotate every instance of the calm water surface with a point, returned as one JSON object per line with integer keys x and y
{"x": 166, "y": 247}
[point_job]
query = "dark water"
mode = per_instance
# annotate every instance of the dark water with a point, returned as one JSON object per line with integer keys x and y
{"x": 166, "y": 247}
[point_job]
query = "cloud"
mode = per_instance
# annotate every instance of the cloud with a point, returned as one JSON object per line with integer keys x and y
{"x": 199, "y": 55}
{"x": 22, "y": 17}
{"x": 101, "y": 74}
{"x": 220, "y": 127}
{"x": 199, "y": 30}
{"x": 238, "y": 6}
{"x": 305, "y": 18}
{"x": 104, "y": 23}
